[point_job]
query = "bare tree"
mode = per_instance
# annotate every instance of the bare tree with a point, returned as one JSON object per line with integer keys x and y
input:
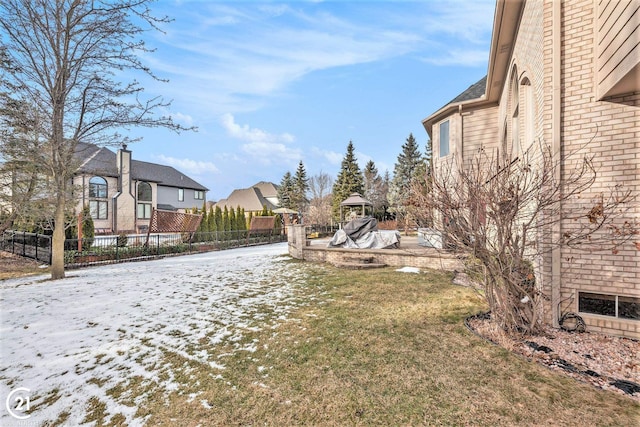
{"x": 501, "y": 214}
{"x": 320, "y": 203}
{"x": 19, "y": 150}
{"x": 67, "y": 60}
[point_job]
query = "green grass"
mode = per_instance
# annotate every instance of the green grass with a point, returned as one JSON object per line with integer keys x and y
{"x": 377, "y": 348}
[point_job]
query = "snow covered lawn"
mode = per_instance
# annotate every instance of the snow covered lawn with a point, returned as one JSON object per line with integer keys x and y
{"x": 78, "y": 342}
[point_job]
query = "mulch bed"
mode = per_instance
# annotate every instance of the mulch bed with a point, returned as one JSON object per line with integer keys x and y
{"x": 607, "y": 362}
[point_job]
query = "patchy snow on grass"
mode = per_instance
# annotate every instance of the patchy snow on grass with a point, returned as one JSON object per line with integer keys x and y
{"x": 409, "y": 270}
{"x": 102, "y": 332}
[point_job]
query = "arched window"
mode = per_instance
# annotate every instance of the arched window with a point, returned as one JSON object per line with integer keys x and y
{"x": 515, "y": 114}
{"x": 98, "y": 187}
{"x": 144, "y": 200}
{"x": 98, "y": 205}
{"x": 527, "y": 114}
{"x": 503, "y": 142}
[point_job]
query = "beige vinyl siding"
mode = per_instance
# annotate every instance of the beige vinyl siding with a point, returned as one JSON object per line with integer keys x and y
{"x": 618, "y": 29}
{"x": 480, "y": 129}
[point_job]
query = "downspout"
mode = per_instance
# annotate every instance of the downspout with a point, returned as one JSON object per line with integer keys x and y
{"x": 461, "y": 139}
{"x": 556, "y": 147}
{"x": 84, "y": 188}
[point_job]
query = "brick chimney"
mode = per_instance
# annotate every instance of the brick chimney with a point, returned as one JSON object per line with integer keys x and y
{"x": 124, "y": 202}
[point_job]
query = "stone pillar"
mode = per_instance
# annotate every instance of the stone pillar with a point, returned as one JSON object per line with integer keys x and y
{"x": 297, "y": 239}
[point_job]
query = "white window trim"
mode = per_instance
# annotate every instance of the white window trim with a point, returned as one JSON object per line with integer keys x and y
{"x": 448, "y": 123}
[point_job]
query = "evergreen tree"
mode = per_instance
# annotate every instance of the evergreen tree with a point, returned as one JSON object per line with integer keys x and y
{"x": 350, "y": 180}
{"x": 249, "y": 220}
{"x": 204, "y": 223}
{"x": 299, "y": 200}
{"x": 265, "y": 211}
{"x": 240, "y": 219}
{"x": 218, "y": 217}
{"x": 285, "y": 191}
{"x": 233, "y": 224}
{"x": 374, "y": 189}
{"x": 410, "y": 166}
{"x": 211, "y": 220}
{"x": 88, "y": 230}
{"x": 226, "y": 220}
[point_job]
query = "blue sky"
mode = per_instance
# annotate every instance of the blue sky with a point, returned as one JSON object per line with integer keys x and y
{"x": 271, "y": 83}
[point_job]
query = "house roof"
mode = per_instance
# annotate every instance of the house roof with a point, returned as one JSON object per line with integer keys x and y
{"x": 251, "y": 199}
{"x": 165, "y": 175}
{"x": 102, "y": 161}
{"x": 505, "y": 25}
{"x": 474, "y": 91}
{"x": 268, "y": 189}
{"x": 96, "y": 160}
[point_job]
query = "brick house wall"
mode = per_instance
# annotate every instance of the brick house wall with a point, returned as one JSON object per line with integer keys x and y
{"x": 550, "y": 91}
{"x": 610, "y": 131}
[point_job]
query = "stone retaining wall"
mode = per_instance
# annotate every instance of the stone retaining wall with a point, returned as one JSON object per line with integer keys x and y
{"x": 300, "y": 248}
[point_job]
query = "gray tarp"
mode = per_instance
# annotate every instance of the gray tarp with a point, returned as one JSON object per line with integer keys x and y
{"x": 362, "y": 233}
{"x": 358, "y": 227}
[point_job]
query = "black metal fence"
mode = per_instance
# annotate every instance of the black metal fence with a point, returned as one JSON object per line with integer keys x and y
{"x": 29, "y": 245}
{"x": 314, "y": 230}
{"x": 120, "y": 248}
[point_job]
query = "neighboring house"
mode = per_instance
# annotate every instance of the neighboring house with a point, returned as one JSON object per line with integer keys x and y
{"x": 121, "y": 192}
{"x": 253, "y": 199}
{"x": 566, "y": 73}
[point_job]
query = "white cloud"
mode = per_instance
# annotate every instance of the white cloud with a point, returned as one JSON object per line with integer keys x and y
{"x": 253, "y": 135}
{"x": 232, "y": 56}
{"x": 183, "y": 118}
{"x": 235, "y": 56}
{"x": 265, "y": 147}
{"x": 467, "y": 58}
{"x": 331, "y": 156}
{"x": 267, "y": 153}
{"x": 465, "y": 21}
{"x": 189, "y": 166}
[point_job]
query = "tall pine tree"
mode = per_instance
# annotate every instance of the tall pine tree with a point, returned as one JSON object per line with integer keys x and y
{"x": 300, "y": 189}
{"x": 410, "y": 166}
{"x": 285, "y": 191}
{"x": 350, "y": 180}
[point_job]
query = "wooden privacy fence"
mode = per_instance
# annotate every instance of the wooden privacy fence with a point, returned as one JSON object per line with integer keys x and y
{"x": 173, "y": 222}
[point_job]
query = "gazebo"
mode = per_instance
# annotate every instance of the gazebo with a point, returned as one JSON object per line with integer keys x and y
{"x": 289, "y": 216}
{"x": 355, "y": 200}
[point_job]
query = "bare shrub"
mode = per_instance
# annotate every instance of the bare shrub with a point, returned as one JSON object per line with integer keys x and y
{"x": 504, "y": 215}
